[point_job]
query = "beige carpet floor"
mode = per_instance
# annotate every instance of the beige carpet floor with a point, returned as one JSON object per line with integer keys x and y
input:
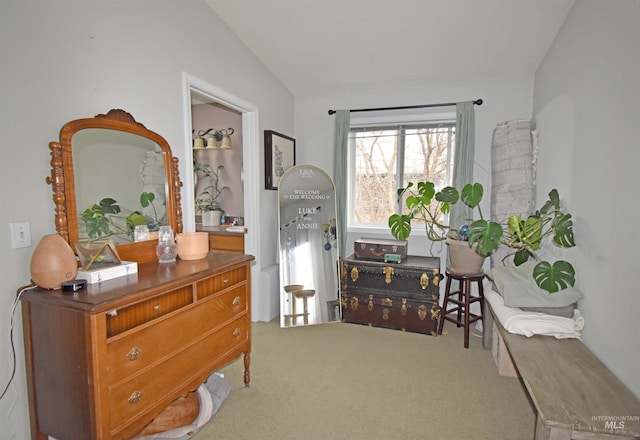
{"x": 352, "y": 382}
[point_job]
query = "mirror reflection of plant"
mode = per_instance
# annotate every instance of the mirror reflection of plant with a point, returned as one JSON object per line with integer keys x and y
{"x": 99, "y": 219}
{"x": 208, "y": 200}
{"x": 146, "y": 199}
{"x": 102, "y": 218}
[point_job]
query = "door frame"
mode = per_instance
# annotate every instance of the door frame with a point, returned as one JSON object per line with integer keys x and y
{"x": 250, "y": 153}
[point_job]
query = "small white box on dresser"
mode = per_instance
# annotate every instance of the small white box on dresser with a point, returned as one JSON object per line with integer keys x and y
{"x": 108, "y": 273}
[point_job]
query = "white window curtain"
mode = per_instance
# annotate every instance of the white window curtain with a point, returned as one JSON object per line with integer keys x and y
{"x": 463, "y": 158}
{"x": 340, "y": 155}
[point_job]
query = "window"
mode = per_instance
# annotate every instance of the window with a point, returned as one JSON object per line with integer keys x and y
{"x": 386, "y": 157}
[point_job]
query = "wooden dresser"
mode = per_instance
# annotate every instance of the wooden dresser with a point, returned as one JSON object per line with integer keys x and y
{"x": 220, "y": 239}
{"x": 102, "y": 362}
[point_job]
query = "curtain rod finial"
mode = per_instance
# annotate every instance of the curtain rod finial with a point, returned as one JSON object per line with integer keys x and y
{"x": 478, "y": 101}
{"x": 331, "y": 112}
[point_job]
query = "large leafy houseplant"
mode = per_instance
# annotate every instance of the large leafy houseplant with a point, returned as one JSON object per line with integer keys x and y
{"x": 208, "y": 198}
{"x": 524, "y": 236}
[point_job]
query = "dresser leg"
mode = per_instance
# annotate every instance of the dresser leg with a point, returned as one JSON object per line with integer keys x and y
{"x": 247, "y": 375}
{"x": 37, "y": 435}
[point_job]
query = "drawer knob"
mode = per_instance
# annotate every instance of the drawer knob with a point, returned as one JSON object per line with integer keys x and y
{"x": 236, "y": 301}
{"x": 135, "y": 397}
{"x": 134, "y": 354}
{"x": 225, "y": 281}
{"x": 236, "y": 332}
{"x": 157, "y": 308}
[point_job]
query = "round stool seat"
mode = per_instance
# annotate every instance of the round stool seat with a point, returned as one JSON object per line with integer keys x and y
{"x": 463, "y": 276}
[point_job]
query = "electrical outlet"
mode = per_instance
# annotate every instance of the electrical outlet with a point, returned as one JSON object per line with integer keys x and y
{"x": 20, "y": 234}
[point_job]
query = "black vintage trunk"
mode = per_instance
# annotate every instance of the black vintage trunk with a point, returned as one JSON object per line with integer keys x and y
{"x": 400, "y": 296}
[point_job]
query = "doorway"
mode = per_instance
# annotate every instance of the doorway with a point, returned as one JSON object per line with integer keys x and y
{"x": 193, "y": 86}
{"x": 218, "y": 156}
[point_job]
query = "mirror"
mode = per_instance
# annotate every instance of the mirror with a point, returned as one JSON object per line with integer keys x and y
{"x": 110, "y": 174}
{"x": 308, "y": 247}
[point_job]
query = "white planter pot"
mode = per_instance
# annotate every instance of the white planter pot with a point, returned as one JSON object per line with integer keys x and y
{"x": 464, "y": 259}
{"x": 211, "y": 218}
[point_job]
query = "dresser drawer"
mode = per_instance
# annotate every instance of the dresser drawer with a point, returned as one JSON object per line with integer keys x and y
{"x": 134, "y": 352}
{"x": 133, "y": 398}
{"x": 126, "y": 318}
{"x": 227, "y": 243}
{"x": 212, "y": 285}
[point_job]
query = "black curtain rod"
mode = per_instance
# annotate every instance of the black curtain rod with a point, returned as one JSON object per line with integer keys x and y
{"x": 448, "y": 104}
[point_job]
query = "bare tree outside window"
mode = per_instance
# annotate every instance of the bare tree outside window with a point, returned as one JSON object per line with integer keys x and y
{"x": 421, "y": 152}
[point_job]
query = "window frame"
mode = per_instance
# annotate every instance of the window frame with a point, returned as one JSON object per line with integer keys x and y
{"x": 387, "y": 121}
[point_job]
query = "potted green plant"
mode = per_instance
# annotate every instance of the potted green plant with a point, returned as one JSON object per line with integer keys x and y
{"x": 208, "y": 203}
{"x": 524, "y": 236}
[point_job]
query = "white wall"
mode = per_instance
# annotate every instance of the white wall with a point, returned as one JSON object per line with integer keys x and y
{"x": 587, "y": 91}
{"x": 505, "y": 99}
{"x": 75, "y": 59}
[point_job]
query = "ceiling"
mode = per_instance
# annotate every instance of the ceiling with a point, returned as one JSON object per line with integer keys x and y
{"x": 317, "y": 45}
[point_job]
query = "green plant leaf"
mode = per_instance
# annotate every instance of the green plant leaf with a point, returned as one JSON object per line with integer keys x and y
{"x": 448, "y": 195}
{"x": 521, "y": 256}
{"x": 515, "y": 224}
{"x": 426, "y": 189}
{"x": 135, "y": 219}
{"x": 400, "y": 226}
{"x": 95, "y": 218}
{"x": 401, "y": 191}
{"x": 562, "y": 227}
{"x": 532, "y": 228}
{"x": 526, "y": 233}
{"x": 146, "y": 198}
{"x": 552, "y": 204}
{"x": 413, "y": 202}
{"x": 554, "y": 278}
{"x": 109, "y": 206}
{"x": 472, "y": 194}
{"x": 486, "y": 234}
{"x": 96, "y": 226}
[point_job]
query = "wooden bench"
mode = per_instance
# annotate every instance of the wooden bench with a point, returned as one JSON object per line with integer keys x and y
{"x": 575, "y": 395}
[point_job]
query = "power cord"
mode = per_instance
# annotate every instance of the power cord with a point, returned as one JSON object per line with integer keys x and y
{"x": 21, "y": 290}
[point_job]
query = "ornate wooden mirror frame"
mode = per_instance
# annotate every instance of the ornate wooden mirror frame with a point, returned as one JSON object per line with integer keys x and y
{"x": 63, "y": 181}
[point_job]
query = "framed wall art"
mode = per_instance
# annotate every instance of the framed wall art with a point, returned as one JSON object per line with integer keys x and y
{"x": 279, "y": 156}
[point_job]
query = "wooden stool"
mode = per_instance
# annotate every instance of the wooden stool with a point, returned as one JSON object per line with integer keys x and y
{"x": 292, "y": 318}
{"x": 463, "y": 302}
{"x": 304, "y": 294}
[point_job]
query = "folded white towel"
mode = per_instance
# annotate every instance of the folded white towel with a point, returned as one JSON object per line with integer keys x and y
{"x": 517, "y": 321}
